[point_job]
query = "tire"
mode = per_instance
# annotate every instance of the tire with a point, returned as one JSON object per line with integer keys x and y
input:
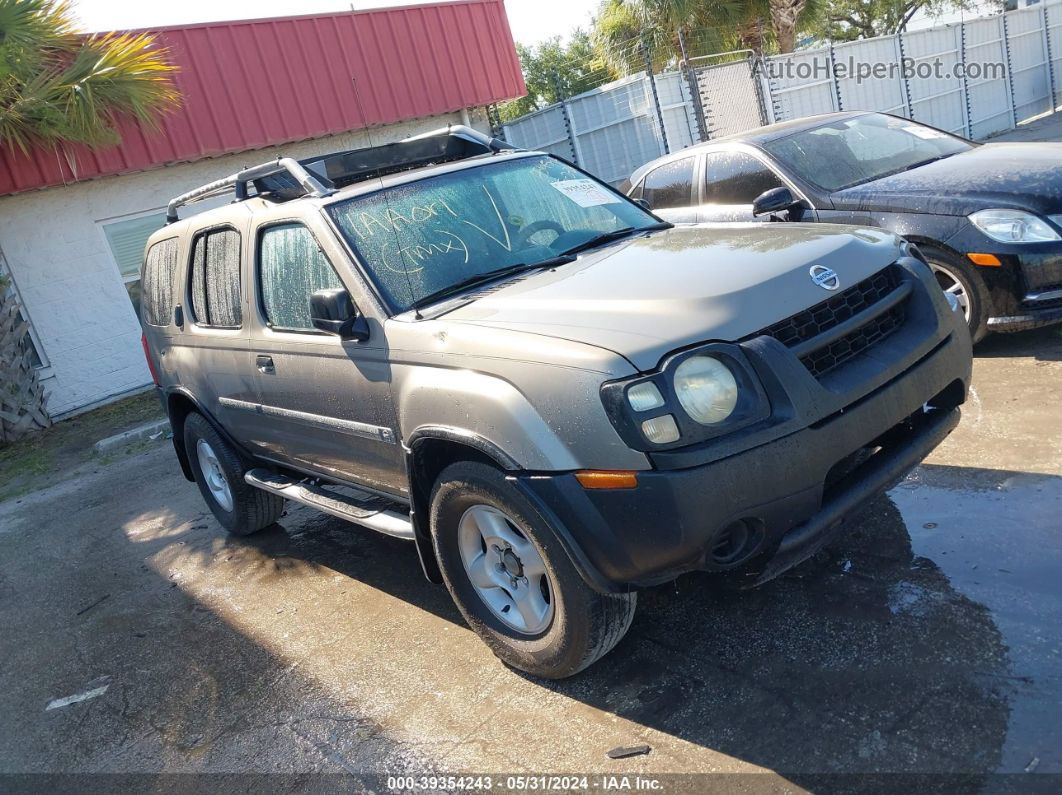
{"x": 246, "y": 509}
{"x": 580, "y": 624}
{"x": 961, "y": 278}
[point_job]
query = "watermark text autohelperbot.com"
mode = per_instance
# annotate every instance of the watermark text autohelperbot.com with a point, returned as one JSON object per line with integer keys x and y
{"x": 822, "y": 67}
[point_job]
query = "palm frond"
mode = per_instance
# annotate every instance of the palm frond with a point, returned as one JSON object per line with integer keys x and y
{"x": 57, "y": 86}
{"x": 32, "y": 30}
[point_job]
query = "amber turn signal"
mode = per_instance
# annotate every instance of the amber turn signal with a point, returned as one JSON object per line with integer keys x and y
{"x": 985, "y": 260}
{"x": 606, "y": 479}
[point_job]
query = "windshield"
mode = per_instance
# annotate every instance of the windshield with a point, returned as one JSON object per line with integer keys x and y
{"x": 419, "y": 238}
{"x": 853, "y": 151}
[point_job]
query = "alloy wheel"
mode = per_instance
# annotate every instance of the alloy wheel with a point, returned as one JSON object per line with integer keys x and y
{"x": 506, "y": 569}
{"x": 213, "y": 475}
{"x": 950, "y": 283}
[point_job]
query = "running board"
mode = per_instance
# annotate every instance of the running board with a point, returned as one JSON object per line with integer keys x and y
{"x": 391, "y": 523}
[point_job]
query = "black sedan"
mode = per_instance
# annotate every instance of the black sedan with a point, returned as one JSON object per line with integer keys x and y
{"x": 987, "y": 217}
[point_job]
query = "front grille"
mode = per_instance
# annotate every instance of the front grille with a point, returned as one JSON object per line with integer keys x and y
{"x": 810, "y": 323}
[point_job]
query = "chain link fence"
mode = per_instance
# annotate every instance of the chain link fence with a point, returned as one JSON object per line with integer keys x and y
{"x": 975, "y": 78}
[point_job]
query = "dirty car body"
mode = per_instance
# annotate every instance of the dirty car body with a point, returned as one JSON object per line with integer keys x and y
{"x": 558, "y": 397}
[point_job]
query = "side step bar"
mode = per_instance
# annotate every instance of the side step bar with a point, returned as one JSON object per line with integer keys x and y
{"x": 391, "y": 523}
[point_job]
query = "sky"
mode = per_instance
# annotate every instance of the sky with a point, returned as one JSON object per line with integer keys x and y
{"x": 532, "y": 21}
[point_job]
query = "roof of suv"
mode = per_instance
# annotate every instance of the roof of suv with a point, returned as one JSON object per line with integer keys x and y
{"x": 346, "y": 173}
{"x": 217, "y": 215}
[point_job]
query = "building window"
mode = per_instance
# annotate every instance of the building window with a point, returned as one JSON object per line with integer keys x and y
{"x": 127, "y": 238}
{"x": 29, "y": 343}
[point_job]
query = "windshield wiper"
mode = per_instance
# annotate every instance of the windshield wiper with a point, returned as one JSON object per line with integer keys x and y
{"x": 471, "y": 281}
{"x": 615, "y": 234}
{"x": 925, "y": 162}
{"x": 510, "y": 270}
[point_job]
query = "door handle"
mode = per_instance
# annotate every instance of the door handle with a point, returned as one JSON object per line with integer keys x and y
{"x": 264, "y": 364}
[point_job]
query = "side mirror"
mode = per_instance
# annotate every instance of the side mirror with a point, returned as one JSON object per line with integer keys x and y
{"x": 643, "y": 204}
{"x": 333, "y": 311}
{"x": 778, "y": 200}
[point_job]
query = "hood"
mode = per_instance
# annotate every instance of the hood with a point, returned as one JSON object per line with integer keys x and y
{"x": 645, "y": 297}
{"x": 1026, "y": 176}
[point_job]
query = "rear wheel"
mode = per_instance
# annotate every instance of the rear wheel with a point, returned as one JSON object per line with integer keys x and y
{"x": 962, "y": 281}
{"x": 513, "y": 581}
{"x": 239, "y": 508}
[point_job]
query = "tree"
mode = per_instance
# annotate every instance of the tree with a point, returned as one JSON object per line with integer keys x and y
{"x": 59, "y": 87}
{"x": 785, "y": 17}
{"x": 623, "y": 28}
{"x": 848, "y": 20}
{"x": 572, "y": 68}
{"x": 704, "y": 26}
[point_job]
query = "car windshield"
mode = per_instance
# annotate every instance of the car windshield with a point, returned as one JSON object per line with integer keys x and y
{"x": 853, "y": 151}
{"x": 420, "y": 238}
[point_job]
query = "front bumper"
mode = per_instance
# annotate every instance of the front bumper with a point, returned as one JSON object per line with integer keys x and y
{"x": 1026, "y": 292}
{"x": 786, "y": 492}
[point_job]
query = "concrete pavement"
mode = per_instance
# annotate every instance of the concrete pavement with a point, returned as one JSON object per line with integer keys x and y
{"x": 926, "y": 640}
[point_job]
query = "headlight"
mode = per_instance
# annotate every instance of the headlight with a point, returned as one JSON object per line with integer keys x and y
{"x": 706, "y": 389}
{"x": 1013, "y": 226}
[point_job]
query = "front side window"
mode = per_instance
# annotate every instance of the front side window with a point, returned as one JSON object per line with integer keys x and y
{"x": 670, "y": 185}
{"x": 157, "y": 293}
{"x": 291, "y": 268}
{"x": 736, "y": 178}
{"x": 861, "y": 149}
{"x": 216, "y": 279}
{"x": 421, "y": 237}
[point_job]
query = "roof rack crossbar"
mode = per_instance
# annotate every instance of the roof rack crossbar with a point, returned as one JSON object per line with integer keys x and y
{"x": 311, "y": 185}
{"x": 466, "y": 132}
{"x": 320, "y": 176}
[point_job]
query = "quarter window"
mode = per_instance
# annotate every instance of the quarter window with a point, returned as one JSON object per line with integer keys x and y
{"x": 291, "y": 268}
{"x": 736, "y": 178}
{"x": 216, "y": 279}
{"x": 157, "y": 293}
{"x": 670, "y": 185}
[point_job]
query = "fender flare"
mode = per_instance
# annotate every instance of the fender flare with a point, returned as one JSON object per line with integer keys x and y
{"x": 178, "y": 438}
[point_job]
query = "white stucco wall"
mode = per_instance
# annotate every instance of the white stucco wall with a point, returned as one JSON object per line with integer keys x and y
{"x": 68, "y": 280}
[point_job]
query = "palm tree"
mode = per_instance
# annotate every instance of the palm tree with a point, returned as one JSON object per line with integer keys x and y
{"x": 623, "y": 27}
{"x": 59, "y": 87}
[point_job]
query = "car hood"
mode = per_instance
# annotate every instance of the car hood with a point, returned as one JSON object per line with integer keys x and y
{"x": 1011, "y": 175}
{"x": 650, "y": 295}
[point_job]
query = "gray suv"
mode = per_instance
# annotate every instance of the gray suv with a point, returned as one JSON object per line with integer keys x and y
{"x": 556, "y": 396}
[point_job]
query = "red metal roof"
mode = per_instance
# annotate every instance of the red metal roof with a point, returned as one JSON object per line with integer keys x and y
{"x": 258, "y": 83}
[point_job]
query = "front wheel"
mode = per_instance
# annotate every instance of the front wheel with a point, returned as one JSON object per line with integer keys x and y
{"x": 962, "y": 281}
{"x": 512, "y": 580}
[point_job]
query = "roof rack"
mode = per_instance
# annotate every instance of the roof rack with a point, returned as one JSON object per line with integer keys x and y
{"x": 284, "y": 179}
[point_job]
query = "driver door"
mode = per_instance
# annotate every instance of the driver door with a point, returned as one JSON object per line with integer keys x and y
{"x": 325, "y": 402}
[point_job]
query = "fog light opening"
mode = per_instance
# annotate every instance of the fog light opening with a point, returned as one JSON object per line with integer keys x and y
{"x": 737, "y": 542}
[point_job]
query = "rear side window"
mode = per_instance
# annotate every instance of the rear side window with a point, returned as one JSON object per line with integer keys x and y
{"x": 157, "y": 294}
{"x": 736, "y": 178}
{"x": 291, "y": 268}
{"x": 216, "y": 279}
{"x": 671, "y": 185}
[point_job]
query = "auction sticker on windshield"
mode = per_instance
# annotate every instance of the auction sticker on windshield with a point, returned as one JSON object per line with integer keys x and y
{"x": 585, "y": 192}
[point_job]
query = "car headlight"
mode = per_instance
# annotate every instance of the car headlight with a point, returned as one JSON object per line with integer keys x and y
{"x": 1013, "y": 226}
{"x": 706, "y": 389}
